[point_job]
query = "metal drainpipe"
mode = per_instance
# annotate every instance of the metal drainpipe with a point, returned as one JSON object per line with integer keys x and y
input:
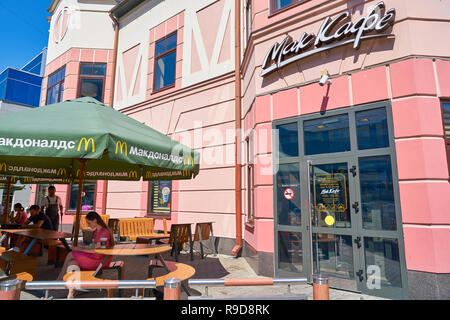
{"x": 237, "y": 38}
{"x": 111, "y": 99}
{"x": 116, "y": 44}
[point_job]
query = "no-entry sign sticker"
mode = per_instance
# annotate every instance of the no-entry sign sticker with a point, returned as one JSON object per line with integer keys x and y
{"x": 289, "y": 194}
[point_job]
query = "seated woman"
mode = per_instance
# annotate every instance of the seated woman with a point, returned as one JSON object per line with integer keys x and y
{"x": 19, "y": 217}
{"x": 85, "y": 257}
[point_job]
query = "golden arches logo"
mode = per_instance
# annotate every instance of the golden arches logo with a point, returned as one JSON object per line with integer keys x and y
{"x": 3, "y": 167}
{"x": 186, "y": 173}
{"x": 62, "y": 172}
{"x": 27, "y": 180}
{"x": 78, "y": 173}
{"x": 122, "y": 145}
{"x": 148, "y": 175}
{"x": 133, "y": 174}
{"x": 86, "y": 144}
{"x": 189, "y": 161}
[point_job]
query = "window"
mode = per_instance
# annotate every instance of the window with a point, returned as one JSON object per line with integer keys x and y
{"x": 160, "y": 198}
{"x": 377, "y": 193}
{"x": 281, "y": 4}
{"x": 372, "y": 129}
{"x": 327, "y": 135}
{"x": 250, "y": 181}
{"x": 88, "y": 199}
{"x": 55, "y": 86}
{"x": 446, "y": 118}
{"x": 248, "y": 17}
{"x": 165, "y": 62}
{"x": 288, "y": 140}
{"x": 92, "y": 80}
{"x": 288, "y": 195}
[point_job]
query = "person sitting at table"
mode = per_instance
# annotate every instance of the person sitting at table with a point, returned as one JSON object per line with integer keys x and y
{"x": 20, "y": 215}
{"x": 84, "y": 256}
{"x": 39, "y": 220}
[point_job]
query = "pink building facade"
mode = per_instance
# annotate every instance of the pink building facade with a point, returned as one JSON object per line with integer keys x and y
{"x": 344, "y": 149}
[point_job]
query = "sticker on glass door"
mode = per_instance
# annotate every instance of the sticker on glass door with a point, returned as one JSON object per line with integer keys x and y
{"x": 289, "y": 194}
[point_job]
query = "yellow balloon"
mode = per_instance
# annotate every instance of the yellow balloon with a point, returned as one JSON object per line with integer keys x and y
{"x": 329, "y": 220}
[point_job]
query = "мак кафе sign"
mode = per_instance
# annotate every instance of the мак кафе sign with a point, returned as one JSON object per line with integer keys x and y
{"x": 289, "y": 51}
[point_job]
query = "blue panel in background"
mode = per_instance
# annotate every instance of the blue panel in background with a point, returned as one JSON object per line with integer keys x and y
{"x": 20, "y": 87}
{"x": 34, "y": 66}
{"x": 23, "y": 86}
{"x": 24, "y": 77}
{"x": 3, "y": 78}
{"x": 23, "y": 93}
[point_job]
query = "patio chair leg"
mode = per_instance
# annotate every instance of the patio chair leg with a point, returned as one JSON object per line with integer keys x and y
{"x": 185, "y": 289}
{"x": 192, "y": 250}
{"x": 150, "y": 271}
{"x": 176, "y": 251}
{"x": 201, "y": 250}
{"x": 191, "y": 244}
{"x": 216, "y": 245}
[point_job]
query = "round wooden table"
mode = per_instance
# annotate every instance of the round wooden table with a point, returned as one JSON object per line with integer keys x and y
{"x": 133, "y": 250}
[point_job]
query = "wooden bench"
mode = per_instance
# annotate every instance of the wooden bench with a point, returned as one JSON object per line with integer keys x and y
{"x": 88, "y": 276}
{"x": 177, "y": 270}
{"x": 155, "y": 236}
{"x": 15, "y": 262}
{"x": 137, "y": 227}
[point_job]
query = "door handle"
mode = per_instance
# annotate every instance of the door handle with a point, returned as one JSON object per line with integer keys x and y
{"x": 353, "y": 170}
{"x": 359, "y": 274}
{"x": 356, "y": 206}
{"x": 358, "y": 242}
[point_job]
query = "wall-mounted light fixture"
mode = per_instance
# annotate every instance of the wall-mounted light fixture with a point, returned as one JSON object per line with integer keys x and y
{"x": 325, "y": 78}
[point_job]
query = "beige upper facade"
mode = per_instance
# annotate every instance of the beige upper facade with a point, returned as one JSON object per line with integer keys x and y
{"x": 79, "y": 24}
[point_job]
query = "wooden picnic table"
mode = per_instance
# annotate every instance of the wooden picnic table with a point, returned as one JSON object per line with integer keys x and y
{"x": 133, "y": 250}
{"x": 38, "y": 234}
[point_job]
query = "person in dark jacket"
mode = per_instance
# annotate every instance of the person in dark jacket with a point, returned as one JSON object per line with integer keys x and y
{"x": 38, "y": 220}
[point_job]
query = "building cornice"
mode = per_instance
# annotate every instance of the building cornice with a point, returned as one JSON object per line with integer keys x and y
{"x": 55, "y": 3}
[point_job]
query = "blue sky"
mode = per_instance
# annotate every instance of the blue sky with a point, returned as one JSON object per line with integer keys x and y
{"x": 23, "y": 31}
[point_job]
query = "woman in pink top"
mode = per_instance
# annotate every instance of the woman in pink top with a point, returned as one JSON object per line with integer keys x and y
{"x": 85, "y": 257}
{"x": 20, "y": 216}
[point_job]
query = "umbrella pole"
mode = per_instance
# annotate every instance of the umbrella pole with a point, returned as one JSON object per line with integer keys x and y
{"x": 8, "y": 199}
{"x": 78, "y": 214}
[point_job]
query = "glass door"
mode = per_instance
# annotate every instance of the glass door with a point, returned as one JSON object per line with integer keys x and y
{"x": 332, "y": 194}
